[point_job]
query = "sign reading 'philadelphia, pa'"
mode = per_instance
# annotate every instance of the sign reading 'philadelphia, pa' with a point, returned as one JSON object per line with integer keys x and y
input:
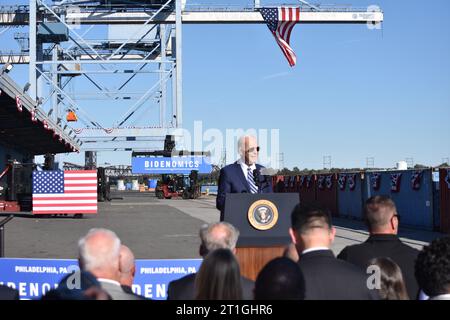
{"x": 175, "y": 165}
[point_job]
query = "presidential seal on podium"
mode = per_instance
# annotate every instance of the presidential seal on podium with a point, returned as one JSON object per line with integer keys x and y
{"x": 263, "y": 214}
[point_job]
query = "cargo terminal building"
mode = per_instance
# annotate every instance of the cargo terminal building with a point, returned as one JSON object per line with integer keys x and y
{"x": 25, "y": 131}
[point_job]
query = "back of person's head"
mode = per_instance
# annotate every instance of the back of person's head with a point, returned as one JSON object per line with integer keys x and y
{"x": 379, "y": 213}
{"x": 280, "y": 279}
{"x": 311, "y": 226}
{"x": 99, "y": 252}
{"x": 392, "y": 284}
{"x": 79, "y": 285}
{"x": 127, "y": 266}
{"x": 219, "y": 235}
{"x": 219, "y": 277}
{"x": 432, "y": 267}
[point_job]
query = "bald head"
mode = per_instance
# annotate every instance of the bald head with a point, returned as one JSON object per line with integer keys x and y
{"x": 220, "y": 235}
{"x": 99, "y": 253}
{"x": 379, "y": 213}
{"x": 248, "y": 149}
{"x": 127, "y": 266}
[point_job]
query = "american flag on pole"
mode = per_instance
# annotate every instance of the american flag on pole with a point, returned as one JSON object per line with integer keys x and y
{"x": 60, "y": 191}
{"x": 280, "y": 22}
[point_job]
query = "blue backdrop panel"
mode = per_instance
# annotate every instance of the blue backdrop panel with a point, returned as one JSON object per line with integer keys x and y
{"x": 173, "y": 165}
{"x": 415, "y": 207}
{"x": 34, "y": 277}
{"x": 350, "y": 202}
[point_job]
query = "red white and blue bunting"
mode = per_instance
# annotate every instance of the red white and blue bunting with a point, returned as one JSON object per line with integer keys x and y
{"x": 329, "y": 181}
{"x": 447, "y": 178}
{"x": 321, "y": 182}
{"x": 33, "y": 115}
{"x": 352, "y": 181}
{"x": 416, "y": 178}
{"x": 302, "y": 181}
{"x": 342, "y": 180}
{"x": 375, "y": 178}
{"x": 395, "y": 182}
{"x": 19, "y": 103}
{"x": 309, "y": 181}
{"x": 45, "y": 124}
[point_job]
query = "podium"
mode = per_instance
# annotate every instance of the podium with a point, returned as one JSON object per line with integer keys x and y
{"x": 263, "y": 221}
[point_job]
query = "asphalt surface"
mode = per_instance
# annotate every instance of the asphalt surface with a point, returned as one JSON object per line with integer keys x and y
{"x": 152, "y": 228}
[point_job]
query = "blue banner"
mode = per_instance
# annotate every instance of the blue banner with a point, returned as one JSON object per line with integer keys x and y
{"x": 34, "y": 277}
{"x": 175, "y": 165}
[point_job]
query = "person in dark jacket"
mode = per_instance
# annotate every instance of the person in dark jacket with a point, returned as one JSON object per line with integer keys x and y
{"x": 383, "y": 220}
{"x": 221, "y": 235}
{"x": 326, "y": 278}
{"x": 7, "y": 293}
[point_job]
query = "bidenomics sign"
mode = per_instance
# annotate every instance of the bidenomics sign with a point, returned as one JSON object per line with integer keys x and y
{"x": 169, "y": 165}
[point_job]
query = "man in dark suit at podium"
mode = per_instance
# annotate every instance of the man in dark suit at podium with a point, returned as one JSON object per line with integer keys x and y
{"x": 243, "y": 176}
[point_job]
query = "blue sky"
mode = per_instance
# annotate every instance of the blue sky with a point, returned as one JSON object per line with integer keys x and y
{"x": 354, "y": 93}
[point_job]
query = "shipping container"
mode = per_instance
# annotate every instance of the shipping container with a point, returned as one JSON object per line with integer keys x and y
{"x": 444, "y": 185}
{"x": 327, "y": 195}
{"x": 412, "y": 192}
{"x": 307, "y": 191}
{"x": 350, "y": 195}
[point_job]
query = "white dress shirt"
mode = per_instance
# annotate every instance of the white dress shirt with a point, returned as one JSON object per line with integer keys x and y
{"x": 245, "y": 167}
{"x": 315, "y": 249}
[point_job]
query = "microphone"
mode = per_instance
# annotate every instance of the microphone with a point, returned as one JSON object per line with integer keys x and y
{"x": 257, "y": 179}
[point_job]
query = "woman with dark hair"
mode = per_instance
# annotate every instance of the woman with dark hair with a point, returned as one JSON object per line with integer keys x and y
{"x": 219, "y": 277}
{"x": 392, "y": 284}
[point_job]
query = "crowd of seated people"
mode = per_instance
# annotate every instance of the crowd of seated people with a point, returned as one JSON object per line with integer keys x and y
{"x": 382, "y": 267}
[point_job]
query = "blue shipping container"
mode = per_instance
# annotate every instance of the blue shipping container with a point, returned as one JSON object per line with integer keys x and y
{"x": 415, "y": 207}
{"x": 350, "y": 202}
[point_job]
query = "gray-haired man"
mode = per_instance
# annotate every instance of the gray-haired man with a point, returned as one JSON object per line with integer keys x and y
{"x": 220, "y": 235}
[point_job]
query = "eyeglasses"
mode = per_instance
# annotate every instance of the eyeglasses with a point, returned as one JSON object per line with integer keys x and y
{"x": 252, "y": 150}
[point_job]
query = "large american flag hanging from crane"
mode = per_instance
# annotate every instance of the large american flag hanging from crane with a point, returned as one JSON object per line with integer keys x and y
{"x": 58, "y": 191}
{"x": 281, "y": 21}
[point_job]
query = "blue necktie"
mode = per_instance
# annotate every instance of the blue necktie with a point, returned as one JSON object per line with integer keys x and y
{"x": 251, "y": 181}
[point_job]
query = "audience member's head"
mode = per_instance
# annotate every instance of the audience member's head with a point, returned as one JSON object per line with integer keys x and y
{"x": 79, "y": 285}
{"x": 99, "y": 253}
{"x": 291, "y": 252}
{"x": 219, "y": 277}
{"x": 220, "y": 235}
{"x": 280, "y": 279}
{"x": 432, "y": 268}
{"x": 392, "y": 284}
{"x": 311, "y": 228}
{"x": 127, "y": 266}
{"x": 381, "y": 215}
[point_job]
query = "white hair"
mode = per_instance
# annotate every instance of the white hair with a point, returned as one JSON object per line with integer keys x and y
{"x": 211, "y": 242}
{"x": 98, "y": 257}
{"x": 241, "y": 141}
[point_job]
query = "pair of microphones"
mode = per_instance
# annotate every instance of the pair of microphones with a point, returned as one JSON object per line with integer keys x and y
{"x": 260, "y": 177}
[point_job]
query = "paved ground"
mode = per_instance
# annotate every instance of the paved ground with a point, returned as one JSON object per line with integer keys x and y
{"x": 152, "y": 228}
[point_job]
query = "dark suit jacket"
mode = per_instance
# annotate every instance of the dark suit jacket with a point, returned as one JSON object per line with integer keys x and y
{"x": 184, "y": 288}
{"x": 232, "y": 180}
{"x": 7, "y": 293}
{"x": 385, "y": 245}
{"x": 327, "y": 278}
{"x": 116, "y": 292}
